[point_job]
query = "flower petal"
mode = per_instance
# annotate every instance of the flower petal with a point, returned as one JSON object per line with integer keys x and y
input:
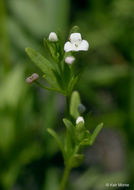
{"x": 84, "y": 45}
{"x": 69, "y": 47}
{"x": 75, "y": 37}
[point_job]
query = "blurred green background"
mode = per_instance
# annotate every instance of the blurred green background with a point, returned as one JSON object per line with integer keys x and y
{"x": 29, "y": 157}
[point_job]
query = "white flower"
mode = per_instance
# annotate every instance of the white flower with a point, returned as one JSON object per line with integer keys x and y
{"x": 53, "y": 37}
{"x": 79, "y": 119}
{"x": 69, "y": 59}
{"x": 76, "y": 43}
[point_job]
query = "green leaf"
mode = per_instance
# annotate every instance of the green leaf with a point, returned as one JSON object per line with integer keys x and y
{"x": 41, "y": 62}
{"x": 72, "y": 83}
{"x": 9, "y": 96}
{"x": 76, "y": 160}
{"x": 95, "y": 133}
{"x": 79, "y": 132}
{"x": 40, "y": 17}
{"x": 69, "y": 142}
{"x": 59, "y": 80}
{"x": 75, "y": 101}
{"x": 69, "y": 125}
{"x": 86, "y": 139}
{"x": 54, "y": 82}
{"x": 53, "y": 49}
{"x": 44, "y": 65}
{"x": 56, "y": 137}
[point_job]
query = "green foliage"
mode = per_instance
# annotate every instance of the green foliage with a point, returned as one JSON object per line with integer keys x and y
{"x": 44, "y": 65}
{"x": 77, "y": 136}
{"x": 56, "y": 72}
{"x": 106, "y": 86}
{"x": 76, "y": 160}
{"x": 57, "y": 138}
{"x": 75, "y": 102}
{"x": 95, "y": 133}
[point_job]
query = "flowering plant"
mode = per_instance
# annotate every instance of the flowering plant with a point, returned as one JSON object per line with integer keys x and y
{"x": 62, "y": 78}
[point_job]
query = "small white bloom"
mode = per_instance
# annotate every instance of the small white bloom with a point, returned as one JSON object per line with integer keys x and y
{"x": 76, "y": 43}
{"x": 53, "y": 37}
{"x": 69, "y": 59}
{"x": 79, "y": 119}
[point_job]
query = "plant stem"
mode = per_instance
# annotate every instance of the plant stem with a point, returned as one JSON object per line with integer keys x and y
{"x": 65, "y": 177}
{"x": 67, "y": 105}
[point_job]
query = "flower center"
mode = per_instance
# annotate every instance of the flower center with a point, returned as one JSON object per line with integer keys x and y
{"x": 77, "y": 43}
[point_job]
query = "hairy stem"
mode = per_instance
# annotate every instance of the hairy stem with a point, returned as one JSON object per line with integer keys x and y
{"x": 65, "y": 177}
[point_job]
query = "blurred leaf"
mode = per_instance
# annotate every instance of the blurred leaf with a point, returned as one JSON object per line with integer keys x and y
{"x": 51, "y": 180}
{"x": 4, "y": 45}
{"x": 106, "y": 75}
{"x": 7, "y": 132}
{"x": 56, "y": 137}
{"x": 25, "y": 156}
{"x": 98, "y": 180}
{"x": 9, "y": 96}
{"x": 29, "y": 153}
{"x": 17, "y": 32}
{"x": 9, "y": 177}
{"x": 41, "y": 17}
{"x": 68, "y": 125}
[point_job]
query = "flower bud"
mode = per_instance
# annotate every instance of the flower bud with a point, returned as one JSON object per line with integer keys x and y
{"x": 69, "y": 59}
{"x": 81, "y": 108}
{"x": 79, "y": 119}
{"x": 32, "y": 78}
{"x": 53, "y": 37}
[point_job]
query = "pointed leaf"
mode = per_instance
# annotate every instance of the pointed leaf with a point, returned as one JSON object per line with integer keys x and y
{"x": 69, "y": 125}
{"x": 95, "y": 133}
{"x": 69, "y": 142}
{"x": 41, "y": 62}
{"x": 72, "y": 83}
{"x": 44, "y": 65}
{"x": 56, "y": 137}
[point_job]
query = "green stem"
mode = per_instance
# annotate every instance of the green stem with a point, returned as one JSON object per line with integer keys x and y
{"x": 65, "y": 177}
{"x": 67, "y": 105}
